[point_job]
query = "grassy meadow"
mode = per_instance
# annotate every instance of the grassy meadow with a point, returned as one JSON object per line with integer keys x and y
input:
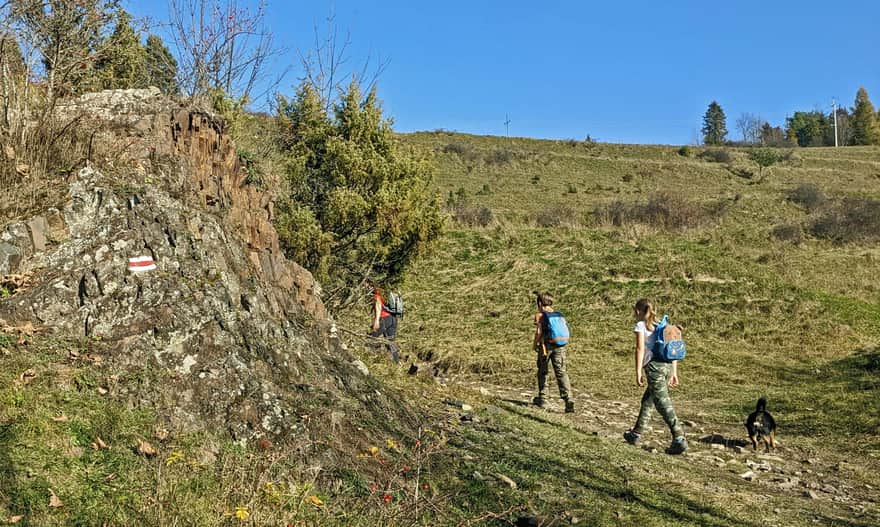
{"x": 769, "y": 306}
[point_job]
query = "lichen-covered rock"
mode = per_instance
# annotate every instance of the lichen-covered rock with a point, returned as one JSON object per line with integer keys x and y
{"x": 224, "y": 332}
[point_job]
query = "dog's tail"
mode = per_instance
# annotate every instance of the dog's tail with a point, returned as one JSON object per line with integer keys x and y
{"x": 762, "y": 404}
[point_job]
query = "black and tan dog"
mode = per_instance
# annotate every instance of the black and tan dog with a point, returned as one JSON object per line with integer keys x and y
{"x": 761, "y": 426}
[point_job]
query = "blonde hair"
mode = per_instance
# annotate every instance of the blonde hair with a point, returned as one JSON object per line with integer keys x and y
{"x": 544, "y": 299}
{"x": 645, "y": 311}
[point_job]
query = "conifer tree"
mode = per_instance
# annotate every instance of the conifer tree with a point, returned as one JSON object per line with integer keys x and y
{"x": 357, "y": 206}
{"x": 160, "y": 66}
{"x": 864, "y": 128}
{"x": 714, "y": 125}
{"x": 122, "y": 59}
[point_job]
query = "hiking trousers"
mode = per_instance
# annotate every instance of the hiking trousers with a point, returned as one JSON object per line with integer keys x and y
{"x": 388, "y": 329}
{"x": 556, "y": 357}
{"x": 657, "y": 396}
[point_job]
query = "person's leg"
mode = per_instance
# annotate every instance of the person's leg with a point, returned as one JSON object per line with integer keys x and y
{"x": 391, "y": 333}
{"x": 658, "y": 380}
{"x": 388, "y": 329}
{"x": 543, "y": 370}
{"x": 645, "y": 410}
{"x": 557, "y": 358}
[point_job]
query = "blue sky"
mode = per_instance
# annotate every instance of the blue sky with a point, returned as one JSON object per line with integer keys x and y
{"x": 628, "y": 71}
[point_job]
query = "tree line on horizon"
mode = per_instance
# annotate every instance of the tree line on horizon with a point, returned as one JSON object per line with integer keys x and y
{"x": 859, "y": 125}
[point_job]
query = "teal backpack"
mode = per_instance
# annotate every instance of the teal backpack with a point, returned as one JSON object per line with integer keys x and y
{"x": 668, "y": 344}
{"x": 556, "y": 329}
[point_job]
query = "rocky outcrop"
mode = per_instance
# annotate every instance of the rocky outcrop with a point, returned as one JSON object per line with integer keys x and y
{"x": 224, "y": 332}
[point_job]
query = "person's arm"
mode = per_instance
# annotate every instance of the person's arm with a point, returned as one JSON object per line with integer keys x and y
{"x": 673, "y": 379}
{"x": 640, "y": 356}
{"x": 538, "y": 343}
{"x": 377, "y": 312}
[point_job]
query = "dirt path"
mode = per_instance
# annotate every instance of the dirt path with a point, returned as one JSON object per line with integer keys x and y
{"x": 786, "y": 469}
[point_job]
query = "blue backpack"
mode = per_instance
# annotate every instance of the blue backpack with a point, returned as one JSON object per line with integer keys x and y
{"x": 556, "y": 329}
{"x": 668, "y": 346}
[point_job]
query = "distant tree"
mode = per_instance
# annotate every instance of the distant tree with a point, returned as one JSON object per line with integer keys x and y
{"x": 764, "y": 157}
{"x": 749, "y": 126}
{"x": 221, "y": 44}
{"x": 864, "y": 126}
{"x": 773, "y": 136}
{"x": 160, "y": 68}
{"x": 356, "y": 205}
{"x": 714, "y": 125}
{"x": 121, "y": 65}
{"x": 69, "y": 37}
{"x": 844, "y": 130}
{"x": 808, "y": 128}
{"x": 12, "y": 77}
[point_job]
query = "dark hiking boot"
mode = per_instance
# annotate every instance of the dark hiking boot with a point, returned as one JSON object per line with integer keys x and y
{"x": 631, "y": 437}
{"x": 569, "y": 407}
{"x": 679, "y": 446}
{"x": 539, "y": 402}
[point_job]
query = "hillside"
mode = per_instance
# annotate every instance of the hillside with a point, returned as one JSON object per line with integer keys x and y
{"x": 215, "y": 391}
{"x": 771, "y": 304}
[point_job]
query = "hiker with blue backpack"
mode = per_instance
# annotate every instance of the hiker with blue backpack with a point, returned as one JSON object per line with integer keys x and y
{"x": 551, "y": 337}
{"x": 659, "y": 347}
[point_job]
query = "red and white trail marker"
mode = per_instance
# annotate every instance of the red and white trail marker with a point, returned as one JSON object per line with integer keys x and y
{"x": 140, "y": 264}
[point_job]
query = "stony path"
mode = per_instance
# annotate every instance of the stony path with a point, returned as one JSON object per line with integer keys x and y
{"x": 786, "y": 469}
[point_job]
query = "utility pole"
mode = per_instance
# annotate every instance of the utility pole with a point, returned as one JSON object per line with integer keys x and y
{"x": 507, "y": 125}
{"x": 834, "y": 111}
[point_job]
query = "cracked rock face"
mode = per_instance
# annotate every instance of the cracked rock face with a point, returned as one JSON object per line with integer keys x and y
{"x": 224, "y": 332}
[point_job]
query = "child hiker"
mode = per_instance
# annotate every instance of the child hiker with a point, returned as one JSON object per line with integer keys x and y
{"x": 660, "y": 377}
{"x": 551, "y": 335}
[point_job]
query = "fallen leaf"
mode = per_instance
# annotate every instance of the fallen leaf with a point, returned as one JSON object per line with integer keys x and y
{"x": 99, "y": 444}
{"x": 161, "y": 434}
{"x": 110, "y": 477}
{"x": 54, "y": 501}
{"x": 27, "y": 375}
{"x": 14, "y": 519}
{"x": 314, "y": 500}
{"x": 61, "y": 418}
{"x": 102, "y": 391}
{"x": 73, "y": 354}
{"x": 146, "y": 449}
{"x": 21, "y": 341}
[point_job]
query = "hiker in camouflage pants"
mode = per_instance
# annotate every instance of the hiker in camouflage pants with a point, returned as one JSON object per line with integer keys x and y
{"x": 657, "y": 396}
{"x": 660, "y": 377}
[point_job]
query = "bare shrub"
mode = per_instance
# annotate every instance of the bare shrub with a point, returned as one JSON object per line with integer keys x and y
{"x": 614, "y": 214}
{"x": 664, "y": 210}
{"x": 557, "y": 217}
{"x": 500, "y": 157}
{"x": 466, "y": 213}
{"x": 788, "y": 233}
{"x": 462, "y": 150}
{"x": 850, "y": 220}
{"x": 808, "y": 195}
{"x": 716, "y": 155}
{"x": 472, "y": 215}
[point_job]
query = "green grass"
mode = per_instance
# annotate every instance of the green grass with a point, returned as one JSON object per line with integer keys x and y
{"x": 797, "y": 323}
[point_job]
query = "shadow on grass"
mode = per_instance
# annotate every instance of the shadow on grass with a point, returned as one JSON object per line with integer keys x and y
{"x": 844, "y": 397}
{"x": 7, "y": 470}
{"x": 590, "y": 471}
{"x": 516, "y": 402}
{"x": 718, "y": 439}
